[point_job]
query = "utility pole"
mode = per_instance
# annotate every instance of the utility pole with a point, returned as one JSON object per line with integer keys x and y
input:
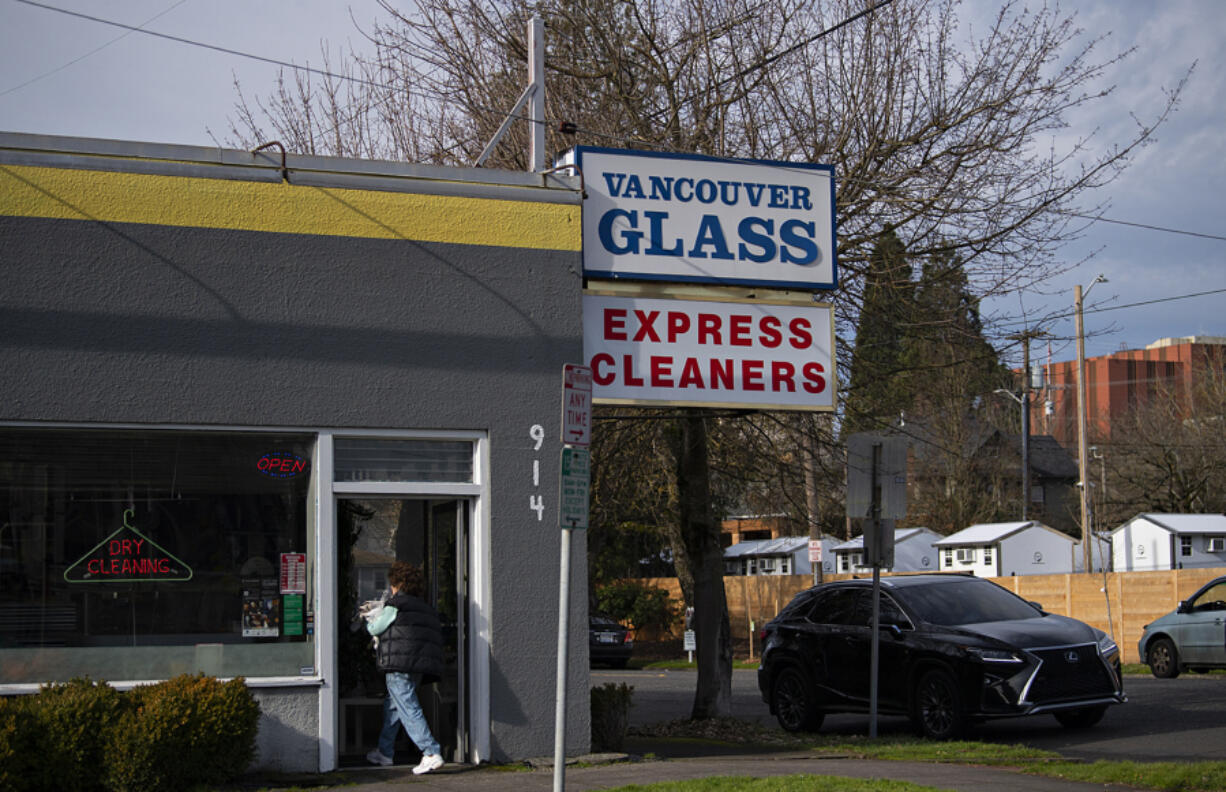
{"x": 1083, "y": 461}
{"x": 1025, "y": 338}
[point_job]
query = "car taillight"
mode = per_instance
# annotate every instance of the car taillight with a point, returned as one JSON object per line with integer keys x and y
{"x": 762, "y": 636}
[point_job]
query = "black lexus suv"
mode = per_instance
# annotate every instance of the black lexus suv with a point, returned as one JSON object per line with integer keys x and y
{"x": 953, "y": 649}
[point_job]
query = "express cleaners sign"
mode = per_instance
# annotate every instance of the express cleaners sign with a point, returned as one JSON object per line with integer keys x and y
{"x": 761, "y": 354}
{"x": 688, "y": 218}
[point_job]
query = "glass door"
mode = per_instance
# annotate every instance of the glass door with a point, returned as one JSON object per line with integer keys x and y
{"x": 371, "y": 534}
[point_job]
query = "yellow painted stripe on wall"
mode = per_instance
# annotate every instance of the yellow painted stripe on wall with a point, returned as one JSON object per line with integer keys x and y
{"x": 61, "y": 193}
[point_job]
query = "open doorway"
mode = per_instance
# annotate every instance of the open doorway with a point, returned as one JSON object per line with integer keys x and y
{"x": 371, "y": 534}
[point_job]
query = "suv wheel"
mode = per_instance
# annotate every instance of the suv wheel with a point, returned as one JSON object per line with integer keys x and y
{"x": 938, "y": 711}
{"x": 1163, "y": 659}
{"x": 794, "y": 702}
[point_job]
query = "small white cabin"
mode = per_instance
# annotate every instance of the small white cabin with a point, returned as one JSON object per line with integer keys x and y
{"x": 914, "y": 551}
{"x": 1170, "y": 541}
{"x": 1005, "y": 549}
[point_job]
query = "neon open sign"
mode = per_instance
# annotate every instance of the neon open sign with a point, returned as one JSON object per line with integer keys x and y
{"x": 281, "y": 464}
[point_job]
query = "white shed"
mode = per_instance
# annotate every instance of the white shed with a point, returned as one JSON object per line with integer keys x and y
{"x": 1005, "y": 549}
{"x": 1170, "y": 541}
{"x": 914, "y": 551}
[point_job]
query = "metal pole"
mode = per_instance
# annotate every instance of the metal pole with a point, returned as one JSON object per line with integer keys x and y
{"x": 1025, "y": 425}
{"x": 1082, "y": 461}
{"x": 874, "y": 661}
{"x": 536, "y": 77}
{"x": 559, "y": 737}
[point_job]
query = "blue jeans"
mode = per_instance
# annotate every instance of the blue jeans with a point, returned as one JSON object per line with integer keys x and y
{"x": 401, "y": 706}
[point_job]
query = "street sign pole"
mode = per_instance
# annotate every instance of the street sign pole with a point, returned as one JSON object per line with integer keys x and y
{"x": 559, "y": 736}
{"x": 573, "y": 486}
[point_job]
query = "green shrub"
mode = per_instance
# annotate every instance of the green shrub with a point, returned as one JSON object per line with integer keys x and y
{"x": 183, "y": 732}
{"x": 610, "y": 716}
{"x": 73, "y": 720}
{"x": 19, "y": 745}
{"x": 646, "y": 607}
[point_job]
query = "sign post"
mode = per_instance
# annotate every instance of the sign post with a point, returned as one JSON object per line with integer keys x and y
{"x": 573, "y": 498}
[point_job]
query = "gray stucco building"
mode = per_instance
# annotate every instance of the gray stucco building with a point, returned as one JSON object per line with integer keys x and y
{"x": 237, "y": 388}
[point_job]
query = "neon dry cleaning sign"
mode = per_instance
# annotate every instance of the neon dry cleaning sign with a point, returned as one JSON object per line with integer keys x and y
{"x": 688, "y": 218}
{"x": 127, "y": 555}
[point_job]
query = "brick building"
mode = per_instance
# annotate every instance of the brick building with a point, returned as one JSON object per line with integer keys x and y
{"x": 1120, "y": 381}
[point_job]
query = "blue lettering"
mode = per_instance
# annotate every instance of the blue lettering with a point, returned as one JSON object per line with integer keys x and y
{"x": 689, "y": 196}
{"x": 657, "y": 236}
{"x": 729, "y": 200}
{"x": 630, "y": 236}
{"x": 706, "y": 191}
{"x": 779, "y": 196}
{"x": 754, "y": 191}
{"x": 800, "y": 198}
{"x": 711, "y": 233}
{"x": 634, "y": 187}
{"x": 661, "y": 187}
{"x": 789, "y": 234}
{"x": 750, "y": 236}
{"x": 615, "y": 181}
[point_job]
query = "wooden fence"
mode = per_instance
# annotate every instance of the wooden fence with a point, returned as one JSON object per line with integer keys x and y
{"x": 1119, "y": 603}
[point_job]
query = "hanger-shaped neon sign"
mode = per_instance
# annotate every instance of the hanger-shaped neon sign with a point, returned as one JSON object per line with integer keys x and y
{"x": 127, "y": 555}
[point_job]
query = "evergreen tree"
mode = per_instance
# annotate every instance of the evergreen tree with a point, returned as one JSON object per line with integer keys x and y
{"x": 873, "y": 398}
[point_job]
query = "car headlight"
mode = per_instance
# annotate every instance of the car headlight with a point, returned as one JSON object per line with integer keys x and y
{"x": 993, "y": 655}
{"x": 1107, "y": 646}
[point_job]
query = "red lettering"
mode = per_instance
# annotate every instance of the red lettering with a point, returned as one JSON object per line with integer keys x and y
{"x": 708, "y": 329}
{"x": 815, "y": 380}
{"x": 614, "y": 324}
{"x": 598, "y": 374}
{"x": 802, "y": 338}
{"x": 783, "y": 376}
{"x": 628, "y": 369}
{"x": 678, "y": 324}
{"x": 738, "y": 331}
{"x": 93, "y": 566}
{"x": 751, "y": 375}
{"x": 647, "y": 328}
{"x": 771, "y": 337}
{"x": 722, "y": 374}
{"x": 691, "y": 375}
{"x": 661, "y": 371}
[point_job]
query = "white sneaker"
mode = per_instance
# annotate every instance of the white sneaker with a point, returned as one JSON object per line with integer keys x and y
{"x": 376, "y": 757}
{"x": 428, "y": 764}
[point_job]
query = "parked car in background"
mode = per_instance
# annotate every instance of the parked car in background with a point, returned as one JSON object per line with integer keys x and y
{"x": 608, "y": 641}
{"x": 1192, "y": 637}
{"x": 953, "y": 649}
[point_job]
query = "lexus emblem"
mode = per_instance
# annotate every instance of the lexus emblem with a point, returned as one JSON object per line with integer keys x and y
{"x": 1071, "y": 656}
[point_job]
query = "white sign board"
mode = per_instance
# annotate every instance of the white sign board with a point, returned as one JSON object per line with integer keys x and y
{"x": 576, "y": 405}
{"x": 575, "y": 484}
{"x": 815, "y": 551}
{"x": 756, "y": 354}
{"x": 689, "y": 218}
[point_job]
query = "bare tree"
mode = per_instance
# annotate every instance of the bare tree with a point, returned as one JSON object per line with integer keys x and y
{"x": 948, "y": 137}
{"x": 1169, "y": 453}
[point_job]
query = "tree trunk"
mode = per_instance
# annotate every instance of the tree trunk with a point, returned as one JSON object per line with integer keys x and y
{"x": 699, "y": 533}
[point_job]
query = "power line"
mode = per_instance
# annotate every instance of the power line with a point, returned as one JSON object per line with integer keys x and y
{"x": 203, "y": 45}
{"x": 80, "y": 58}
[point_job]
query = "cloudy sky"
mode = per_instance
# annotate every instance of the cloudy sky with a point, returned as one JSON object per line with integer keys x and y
{"x": 69, "y": 76}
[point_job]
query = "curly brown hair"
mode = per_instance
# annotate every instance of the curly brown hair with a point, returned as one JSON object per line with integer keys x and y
{"x": 406, "y": 577}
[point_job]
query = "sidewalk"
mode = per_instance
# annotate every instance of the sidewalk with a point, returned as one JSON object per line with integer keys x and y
{"x": 605, "y": 771}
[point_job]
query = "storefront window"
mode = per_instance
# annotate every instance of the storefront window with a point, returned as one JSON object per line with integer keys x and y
{"x": 134, "y": 555}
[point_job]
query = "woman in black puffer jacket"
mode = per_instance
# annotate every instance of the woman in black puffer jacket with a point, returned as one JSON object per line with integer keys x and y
{"x": 410, "y": 653}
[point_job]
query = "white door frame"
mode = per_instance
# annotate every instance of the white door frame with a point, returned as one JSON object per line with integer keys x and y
{"x": 477, "y": 551}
